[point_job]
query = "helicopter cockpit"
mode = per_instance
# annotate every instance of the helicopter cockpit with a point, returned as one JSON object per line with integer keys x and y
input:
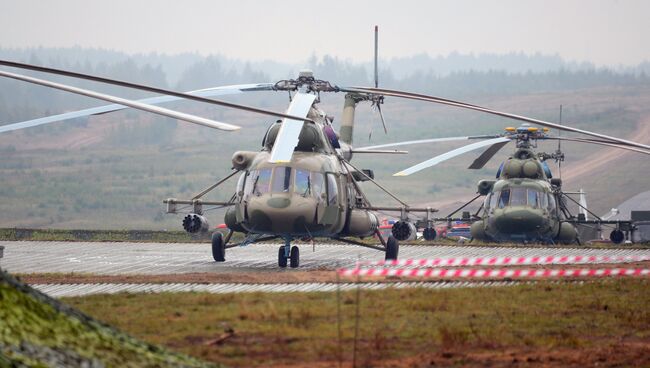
{"x": 284, "y": 179}
{"x": 520, "y": 196}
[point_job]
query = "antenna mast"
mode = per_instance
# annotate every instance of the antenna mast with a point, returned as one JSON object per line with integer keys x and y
{"x": 376, "y": 50}
{"x": 559, "y": 146}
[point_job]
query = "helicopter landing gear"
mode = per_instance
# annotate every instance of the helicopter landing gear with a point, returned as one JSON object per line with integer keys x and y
{"x": 294, "y": 257}
{"x": 392, "y": 249}
{"x": 218, "y": 247}
{"x": 290, "y": 254}
{"x": 282, "y": 257}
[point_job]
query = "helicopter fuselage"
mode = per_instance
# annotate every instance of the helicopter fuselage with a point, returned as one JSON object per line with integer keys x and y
{"x": 522, "y": 205}
{"x": 311, "y": 195}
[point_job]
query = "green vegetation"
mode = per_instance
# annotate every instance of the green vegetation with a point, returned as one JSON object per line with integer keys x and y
{"x": 456, "y": 325}
{"x": 38, "y": 331}
{"x": 103, "y": 235}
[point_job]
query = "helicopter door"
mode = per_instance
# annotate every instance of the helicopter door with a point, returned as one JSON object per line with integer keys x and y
{"x": 331, "y": 214}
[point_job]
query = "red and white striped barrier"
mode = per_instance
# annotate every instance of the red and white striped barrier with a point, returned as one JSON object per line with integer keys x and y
{"x": 494, "y": 272}
{"x": 507, "y": 261}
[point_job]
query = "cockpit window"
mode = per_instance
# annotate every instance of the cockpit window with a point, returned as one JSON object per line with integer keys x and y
{"x": 281, "y": 179}
{"x": 533, "y": 198}
{"x": 317, "y": 184}
{"x": 302, "y": 183}
{"x": 542, "y": 200}
{"x": 551, "y": 202}
{"x": 332, "y": 190}
{"x": 504, "y": 198}
{"x": 261, "y": 181}
{"x": 240, "y": 185}
{"x": 493, "y": 199}
{"x": 518, "y": 197}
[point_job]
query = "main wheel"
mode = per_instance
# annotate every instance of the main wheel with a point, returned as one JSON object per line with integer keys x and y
{"x": 392, "y": 249}
{"x": 294, "y": 258}
{"x": 282, "y": 259}
{"x": 218, "y": 247}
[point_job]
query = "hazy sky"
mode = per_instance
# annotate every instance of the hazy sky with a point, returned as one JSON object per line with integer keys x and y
{"x": 605, "y": 32}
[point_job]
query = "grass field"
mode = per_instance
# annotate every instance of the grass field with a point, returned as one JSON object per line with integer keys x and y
{"x": 547, "y": 324}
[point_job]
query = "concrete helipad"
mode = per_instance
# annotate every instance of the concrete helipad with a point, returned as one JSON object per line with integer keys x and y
{"x": 164, "y": 258}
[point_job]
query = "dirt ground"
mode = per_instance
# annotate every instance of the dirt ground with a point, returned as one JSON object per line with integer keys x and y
{"x": 625, "y": 353}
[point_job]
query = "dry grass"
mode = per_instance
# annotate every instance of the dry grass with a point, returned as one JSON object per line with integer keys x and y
{"x": 550, "y": 324}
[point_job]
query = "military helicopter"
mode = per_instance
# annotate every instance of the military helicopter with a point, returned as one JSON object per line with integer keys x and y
{"x": 526, "y": 203}
{"x": 301, "y": 184}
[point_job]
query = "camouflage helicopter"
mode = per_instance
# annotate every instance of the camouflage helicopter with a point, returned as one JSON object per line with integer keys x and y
{"x": 526, "y": 203}
{"x": 301, "y": 184}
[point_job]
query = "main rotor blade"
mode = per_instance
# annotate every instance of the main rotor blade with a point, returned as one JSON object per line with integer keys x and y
{"x": 451, "y": 154}
{"x": 486, "y": 156}
{"x": 215, "y": 91}
{"x": 287, "y": 138}
{"x": 136, "y": 105}
{"x": 419, "y": 141}
{"x": 594, "y": 141}
{"x": 147, "y": 88}
{"x": 420, "y": 97}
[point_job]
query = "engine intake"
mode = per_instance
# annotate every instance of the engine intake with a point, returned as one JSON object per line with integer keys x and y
{"x": 194, "y": 223}
{"x": 403, "y": 230}
{"x": 241, "y": 160}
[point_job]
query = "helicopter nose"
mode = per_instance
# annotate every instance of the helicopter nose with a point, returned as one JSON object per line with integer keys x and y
{"x": 516, "y": 220}
{"x": 279, "y": 213}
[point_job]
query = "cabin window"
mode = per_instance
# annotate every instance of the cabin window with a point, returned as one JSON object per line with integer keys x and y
{"x": 261, "y": 181}
{"x": 533, "y": 198}
{"x": 281, "y": 179}
{"x": 317, "y": 185}
{"x": 332, "y": 190}
{"x": 302, "y": 183}
{"x": 504, "y": 198}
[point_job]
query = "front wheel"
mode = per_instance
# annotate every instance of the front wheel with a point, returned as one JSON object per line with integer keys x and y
{"x": 392, "y": 249}
{"x": 218, "y": 247}
{"x": 282, "y": 258}
{"x": 294, "y": 257}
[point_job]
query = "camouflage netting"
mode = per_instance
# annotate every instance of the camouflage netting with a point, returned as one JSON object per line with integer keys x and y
{"x": 37, "y": 330}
